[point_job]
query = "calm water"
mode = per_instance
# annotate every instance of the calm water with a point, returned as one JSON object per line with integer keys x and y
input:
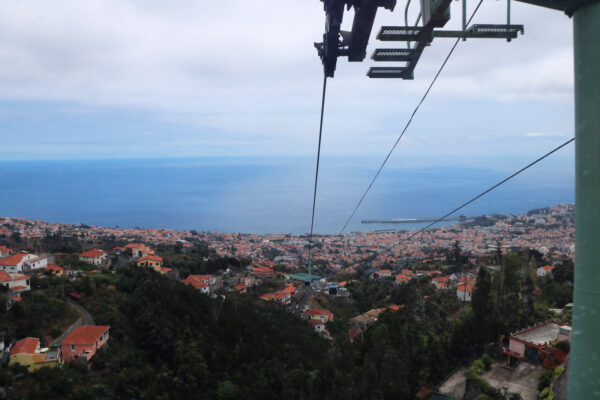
{"x": 259, "y": 196}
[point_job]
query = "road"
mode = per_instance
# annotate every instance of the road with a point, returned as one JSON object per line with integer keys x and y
{"x": 123, "y": 261}
{"x": 87, "y": 317}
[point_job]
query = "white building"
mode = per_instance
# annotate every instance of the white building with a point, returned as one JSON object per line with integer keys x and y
{"x": 543, "y": 271}
{"x": 38, "y": 263}
{"x": 15, "y": 263}
{"x": 464, "y": 292}
{"x": 94, "y": 256}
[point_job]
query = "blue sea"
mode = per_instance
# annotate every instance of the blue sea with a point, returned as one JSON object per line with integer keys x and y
{"x": 258, "y": 195}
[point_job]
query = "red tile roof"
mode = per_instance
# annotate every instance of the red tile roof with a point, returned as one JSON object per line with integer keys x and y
{"x": 151, "y": 258}
{"x": 4, "y": 276}
{"x": 87, "y": 334}
{"x": 54, "y": 268}
{"x": 319, "y": 311}
{"x": 197, "y": 281}
{"x": 465, "y": 288}
{"x": 12, "y": 260}
{"x": 5, "y": 249}
{"x": 94, "y": 253}
{"x": 396, "y": 307}
{"x": 25, "y": 346}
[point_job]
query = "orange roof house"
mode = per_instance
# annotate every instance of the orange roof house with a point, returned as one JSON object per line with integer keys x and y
{"x": 14, "y": 262}
{"x": 198, "y": 282}
{"x": 464, "y": 292}
{"x": 153, "y": 262}
{"x": 27, "y": 352}
{"x": 403, "y": 278}
{"x": 54, "y": 269}
{"x": 240, "y": 287}
{"x": 139, "y": 250}
{"x": 27, "y": 345}
{"x": 94, "y": 256}
{"x": 384, "y": 273}
{"x": 5, "y": 251}
{"x": 321, "y": 314}
{"x": 83, "y": 343}
{"x": 264, "y": 272}
{"x": 14, "y": 282}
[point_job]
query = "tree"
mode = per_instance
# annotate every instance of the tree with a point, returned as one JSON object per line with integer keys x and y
{"x": 510, "y": 290}
{"x": 498, "y": 253}
{"x": 483, "y": 307}
{"x": 564, "y": 272}
{"x": 16, "y": 237}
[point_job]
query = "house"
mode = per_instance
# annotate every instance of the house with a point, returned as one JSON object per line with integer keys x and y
{"x": 94, "y": 256}
{"x": 16, "y": 284}
{"x": 529, "y": 343}
{"x": 363, "y": 321}
{"x": 249, "y": 281}
{"x": 83, "y": 343}
{"x": 283, "y": 296}
{"x": 53, "y": 269}
{"x": 354, "y": 332}
{"x": 264, "y": 272}
{"x": 5, "y": 251}
{"x": 396, "y": 307}
{"x": 240, "y": 287}
{"x": 198, "y": 282}
{"x": 139, "y": 250}
{"x": 384, "y": 273}
{"x": 37, "y": 263}
{"x": 464, "y": 292}
{"x": 440, "y": 282}
{"x": 153, "y": 262}
{"x": 320, "y": 328}
{"x": 545, "y": 270}
{"x": 401, "y": 278}
{"x": 27, "y": 353}
{"x": 16, "y": 262}
{"x": 320, "y": 314}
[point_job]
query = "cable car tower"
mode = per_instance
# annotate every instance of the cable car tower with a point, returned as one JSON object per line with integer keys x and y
{"x": 584, "y": 378}
{"x": 434, "y": 14}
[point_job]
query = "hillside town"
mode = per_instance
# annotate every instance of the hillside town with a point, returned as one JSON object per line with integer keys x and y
{"x": 272, "y": 269}
{"x": 549, "y": 231}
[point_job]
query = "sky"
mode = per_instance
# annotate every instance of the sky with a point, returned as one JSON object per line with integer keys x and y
{"x": 147, "y": 78}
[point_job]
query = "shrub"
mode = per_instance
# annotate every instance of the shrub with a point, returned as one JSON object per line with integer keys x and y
{"x": 563, "y": 345}
{"x": 487, "y": 361}
{"x": 544, "y": 380}
{"x": 557, "y": 372}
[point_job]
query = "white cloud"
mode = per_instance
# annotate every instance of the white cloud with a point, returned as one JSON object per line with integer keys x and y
{"x": 544, "y": 134}
{"x": 248, "y": 70}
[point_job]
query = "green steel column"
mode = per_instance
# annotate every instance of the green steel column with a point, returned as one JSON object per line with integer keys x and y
{"x": 584, "y": 368}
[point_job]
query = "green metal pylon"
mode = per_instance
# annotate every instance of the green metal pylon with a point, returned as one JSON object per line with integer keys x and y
{"x": 584, "y": 367}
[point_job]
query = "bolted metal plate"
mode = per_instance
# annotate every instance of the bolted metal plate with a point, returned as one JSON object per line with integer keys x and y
{"x": 389, "y": 72}
{"x": 400, "y": 33}
{"x": 393, "y": 54}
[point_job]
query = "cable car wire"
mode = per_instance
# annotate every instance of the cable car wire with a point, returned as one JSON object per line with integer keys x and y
{"x": 487, "y": 191}
{"x": 409, "y": 121}
{"x": 312, "y": 221}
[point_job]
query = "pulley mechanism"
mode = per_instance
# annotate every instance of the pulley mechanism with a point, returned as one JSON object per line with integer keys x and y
{"x": 352, "y": 44}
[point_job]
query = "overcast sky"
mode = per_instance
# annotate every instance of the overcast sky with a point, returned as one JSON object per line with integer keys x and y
{"x": 146, "y": 78}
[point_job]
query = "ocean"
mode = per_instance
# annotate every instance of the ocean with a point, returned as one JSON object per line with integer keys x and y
{"x": 274, "y": 195}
